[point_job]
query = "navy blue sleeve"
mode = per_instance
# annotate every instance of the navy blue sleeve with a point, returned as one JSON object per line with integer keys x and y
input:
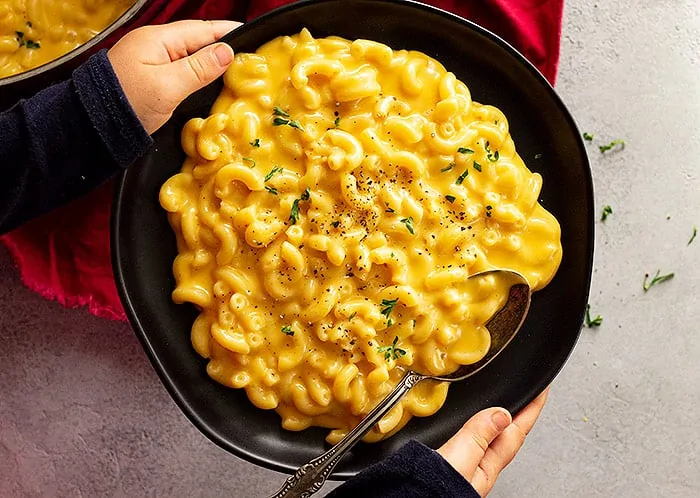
{"x": 65, "y": 141}
{"x": 415, "y": 471}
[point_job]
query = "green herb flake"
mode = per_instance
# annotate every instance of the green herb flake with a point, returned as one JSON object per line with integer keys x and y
{"x": 294, "y": 213}
{"x": 20, "y": 35}
{"x": 477, "y": 166}
{"x": 607, "y": 211}
{"x": 612, "y": 145}
{"x": 287, "y": 330}
{"x": 272, "y": 173}
{"x": 692, "y": 237}
{"x": 255, "y": 143}
{"x": 249, "y": 160}
{"x": 447, "y": 168}
{"x": 388, "y": 306}
{"x": 464, "y": 150}
{"x": 538, "y": 156}
{"x": 32, "y": 44}
{"x": 461, "y": 177}
{"x": 450, "y": 198}
{"x": 335, "y": 224}
{"x": 388, "y": 209}
{"x": 493, "y": 157}
{"x": 336, "y": 123}
{"x": 272, "y": 190}
{"x": 409, "y": 224}
{"x": 657, "y": 279}
{"x": 278, "y": 111}
{"x": 353, "y": 315}
{"x": 392, "y": 351}
{"x": 592, "y": 322}
{"x": 488, "y": 211}
{"x": 587, "y": 136}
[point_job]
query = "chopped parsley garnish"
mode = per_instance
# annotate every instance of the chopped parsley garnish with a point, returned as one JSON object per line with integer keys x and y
{"x": 255, "y": 143}
{"x": 392, "y": 351}
{"x": 592, "y": 322}
{"x": 287, "y": 330}
{"x": 477, "y": 166}
{"x": 409, "y": 224}
{"x": 587, "y": 136}
{"x": 335, "y": 224}
{"x": 611, "y": 145}
{"x": 464, "y": 150}
{"x": 289, "y": 122}
{"x": 387, "y": 308}
{"x": 294, "y": 213}
{"x": 336, "y": 123}
{"x": 272, "y": 173}
{"x": 447, "y": 168}
{"x": 450, "y": 198}
{"x": 250, "y": 160}
{"x": 488, "y": 211}
{"x": 538, "y": 156}
{"x": 491, "y": 156}
{"x": 353, "y": 315}
{"x": 23, "y": 42}
{"x": 388, "y": 209}
{"x": 272, "y": 190}
{"x": 657, "y": 279}
{"x": 607, "y": 211}
{"x": 461, "y": 177}
{"x": 278, "y": 111}
{"x": 692, "y": 237}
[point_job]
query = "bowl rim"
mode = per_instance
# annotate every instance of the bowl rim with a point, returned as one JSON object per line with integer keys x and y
{"x": 180, "y": 400}
{"x": 80, "y": 49}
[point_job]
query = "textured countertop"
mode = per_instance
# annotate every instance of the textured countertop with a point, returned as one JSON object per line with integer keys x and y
{"x": 82, "y": 413}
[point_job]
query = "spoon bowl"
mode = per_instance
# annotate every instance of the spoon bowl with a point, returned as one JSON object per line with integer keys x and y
{"x": 502, "y": 327}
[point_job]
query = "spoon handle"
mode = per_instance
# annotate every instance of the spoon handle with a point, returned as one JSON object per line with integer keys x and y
{"x": 310, "y": 477}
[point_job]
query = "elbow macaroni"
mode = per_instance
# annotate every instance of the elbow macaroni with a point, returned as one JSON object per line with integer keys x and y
{"x": 328, "y": 215}
{"x": 34, "y": 32}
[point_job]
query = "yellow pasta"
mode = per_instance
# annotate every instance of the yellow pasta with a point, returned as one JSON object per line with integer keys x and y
{"x": 328, "y": 215}
{"x": 34, "y": 32}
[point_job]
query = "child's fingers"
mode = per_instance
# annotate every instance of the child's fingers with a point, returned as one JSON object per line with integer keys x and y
{"x": 183, "y": 38}
{"x": 196, "y": 71}
{"x": 465, "y": 449}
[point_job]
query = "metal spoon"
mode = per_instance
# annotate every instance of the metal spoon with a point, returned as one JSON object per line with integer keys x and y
{"x": 503, "y": 326}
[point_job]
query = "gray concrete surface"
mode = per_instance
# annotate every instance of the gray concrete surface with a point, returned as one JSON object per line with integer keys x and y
{"x": 83, "y": 414}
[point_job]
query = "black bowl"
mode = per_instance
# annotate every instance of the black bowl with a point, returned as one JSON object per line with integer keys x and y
{"x": 546, "y": 137}
{"x": 23, "y": 85}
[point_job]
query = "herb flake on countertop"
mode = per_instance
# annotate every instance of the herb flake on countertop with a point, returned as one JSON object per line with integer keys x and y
{"x": 607, "y": 211}
{"x": 592, "y": 322}
{"x": 657, "y": 279}
{"x": 612, "y": 145}
{"x": 587, "y": 136}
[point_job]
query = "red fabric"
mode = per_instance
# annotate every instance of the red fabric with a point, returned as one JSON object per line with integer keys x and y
{"x": 65, "y": 255}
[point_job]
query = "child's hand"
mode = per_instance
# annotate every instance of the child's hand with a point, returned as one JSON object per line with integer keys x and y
{"x": 159, "y": 66}
{"x": 489, "y": 441}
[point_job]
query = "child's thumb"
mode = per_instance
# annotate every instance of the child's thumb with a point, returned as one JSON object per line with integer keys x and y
{"x": 196, "y": 71}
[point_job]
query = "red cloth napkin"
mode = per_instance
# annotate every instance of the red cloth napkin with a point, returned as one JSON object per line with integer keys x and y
{"x": 65, "y": 255}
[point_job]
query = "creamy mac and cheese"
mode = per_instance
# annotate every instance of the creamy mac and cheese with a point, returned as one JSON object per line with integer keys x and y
{"x": 327, "y": 216}
{"x": 34, "y": 32}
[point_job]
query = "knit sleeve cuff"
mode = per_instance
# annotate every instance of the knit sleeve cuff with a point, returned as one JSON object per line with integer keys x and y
{"x": 111, "y": 115}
